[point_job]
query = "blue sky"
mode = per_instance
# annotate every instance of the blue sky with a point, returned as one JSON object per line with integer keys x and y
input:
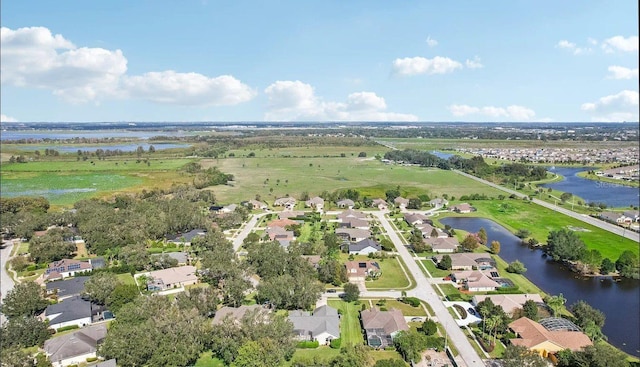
{"x": 319, "y": 60}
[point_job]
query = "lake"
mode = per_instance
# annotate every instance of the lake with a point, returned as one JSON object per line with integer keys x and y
{"x": 123, "y": 147}
{"x": 613, "y": 195}
{"x": 619, "y": 300}
{"x": 89, "y": 134}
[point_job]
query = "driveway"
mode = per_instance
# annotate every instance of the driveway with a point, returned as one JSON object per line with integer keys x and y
{"x": 470, "y": 319}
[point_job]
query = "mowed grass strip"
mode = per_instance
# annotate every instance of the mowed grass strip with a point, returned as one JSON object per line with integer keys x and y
{"x": 350, "y": 330}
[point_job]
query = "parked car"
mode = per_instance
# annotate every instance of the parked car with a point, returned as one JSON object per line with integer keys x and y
{"x": 416, "y": 319}
{"x": 331, "y": 291}
{"x": 472, "y": 311}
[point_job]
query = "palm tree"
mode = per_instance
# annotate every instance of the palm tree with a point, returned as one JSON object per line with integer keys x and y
{"x": 496, "y": 320}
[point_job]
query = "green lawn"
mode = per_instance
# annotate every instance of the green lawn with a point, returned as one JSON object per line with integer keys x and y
{"x": 453, "y": 293}
{"x": 392, "y": 276}
{"x": 207, "y": 360}
{"x": 407, "y": 310}
{"x": 519, "y": 280}
{"x": 434, "y": 270}
{"x": 321, "y": 354}
{"x": 126, "y": 278}
{"x": 350, "y": 330}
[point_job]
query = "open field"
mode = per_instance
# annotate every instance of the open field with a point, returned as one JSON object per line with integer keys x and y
{"x": 350, "y": 331}
{"x": 450, "y": 144}
{"x": 516, "y": 214}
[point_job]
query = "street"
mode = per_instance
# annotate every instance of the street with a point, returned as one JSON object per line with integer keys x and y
{"x": 6, "y": 283}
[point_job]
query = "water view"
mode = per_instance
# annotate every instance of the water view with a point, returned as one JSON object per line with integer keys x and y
{"x": 614, "y": 195}
{"x": 123, "y": 147}
{"x": 619, "y": 300}
{"x": 89, "y": 134}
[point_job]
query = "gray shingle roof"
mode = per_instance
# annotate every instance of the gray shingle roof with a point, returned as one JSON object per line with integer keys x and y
{"x": 324, "y": 319}
{"x": 68, "y": 287}
{"x": 78, "y": 343}
{"x": 361, "y": 245}
{"x": 71, "y": 309}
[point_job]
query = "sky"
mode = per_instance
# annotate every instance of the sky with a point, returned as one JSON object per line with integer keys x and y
{"x": 330, "y": 60}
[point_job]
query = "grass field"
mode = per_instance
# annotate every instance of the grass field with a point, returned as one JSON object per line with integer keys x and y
{"x": 126, "y": 278}
{"x": 450, "y": 144}
{"x": 407, "y": 310}
{"x": 540, "y": 221}
{"x": 350, "y": 330}
{"x": 392, "y": 276}
{"x": 434, "y": 270}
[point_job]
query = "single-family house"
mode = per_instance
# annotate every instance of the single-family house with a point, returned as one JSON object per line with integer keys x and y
{"x": 172, "y": 278}
{"x": 258, "y": 205}
{"x": 381, "y": 204}
{"x": 468, "y": 261}
{"x": 353, "y": 234}
{"x": 187, "y": 237}
{"x": 316, "y": 202}
{"x": 66, "y": 288}
{"x": 237, "y": 313}
{"x": 475, "y": 281}
{"x": 345, "y": 203}
{"x": 401, "y": 202}
{"x": 612, "y": 217}
{"x": 364, "y": 247}
{"x": 438, "y": 203}
{"x": 72, "y": 311}
{"x": 634, "y": 215}
{"x": 350, "y": 213}
{"x": 322, "y": 325}
{"x": 288, "y": 214}
{"x": 279, "y": 233}
{"x": 559, "y": 334}
{"x": 76, "y": 347}
{"x": 66, "y": 268}
{"x": 415, "y": 218}
{"x": 428, "y": 231}
{"x": 287, "y": 202}
{"x": 358, "y": 271}
{"x": 443, "y": 245}
{"x": 510, "y": 303}
{"x": 282, "y": 223}
{"x": 462, "y": 208}
{"x": 354, "y": 223}
{"x": 381, "y": 326}
{"x": 228, "y": 209}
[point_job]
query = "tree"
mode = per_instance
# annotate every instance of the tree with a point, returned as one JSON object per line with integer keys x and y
{"x": 121, "y": 295}
{"x": 263, "y": 352}
{"x": 25, "y": 299}
{"x": 100, "y": 286}
{"x": 597, "y": 355}
{"x": 516, "y": 267}
{"x": 414, "y": 203}
{"x": 482, "y": 236}
{"x": 15, "y": 356}
{"x": 410, "y": 344}
{"x": 352, "y": 356}
{"x": 333, "y": 272}
{"x": 593, "y": 331}
{"x": 351, "y": 292}
{"x": 565, "y": 245}
{"x": 520, "y": 356}
{"x": 470, "y": 243}
{"x": 530, "y": 310}
{"x": 495, "y": 247}
{"x": 390, "y": 363}
{"x": 417, "y": 241}
{"x": 24, "y": 331}
{"x": 607, "y": 266}
{"x": 204, "y": 300}
{"x": 584, "y": 313}
{"x": 523, "y": 233}
{"x": 445, "y": 263}
{"x": 135, "y": 256}
{"x": 627, "y": 264}
{"x": 555, "y": 303}
{"x": 565, "y": 196}
{"x": 362, "y": 154}
{"x": 429, "y": 327}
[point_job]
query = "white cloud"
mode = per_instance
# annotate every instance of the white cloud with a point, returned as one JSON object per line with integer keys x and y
{"x": 511, "y": 113}
{"x": 5, "y": 118}
{"x": 431, "y": 42}
{"x": 419, "y": 65}
{"x": 35, "y": 58}
{"x": 620, "y": 43}
{"x": 474, "y": 64}
{"x": 564, "y": 44}
{"x": 296, "y": 101}
{"x": 622, "y": 106}
{"x": 620, "y": 72}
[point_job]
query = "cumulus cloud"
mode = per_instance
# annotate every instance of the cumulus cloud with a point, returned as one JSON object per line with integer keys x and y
{"x": 564, "y": 44}
{"x": 409, "y": 66}
{"x": 622, "y": 106}
{"x": 474, "y": 64}
{"x": 512, "y": 113}
{"x": 431, "y": 42}
{"x": 5, "y": 118}
{"x": 620, "y": 72}
{"x": 620, "y": 43}
{"x": 296, "y": 101}
{"x": 33, "y": 57}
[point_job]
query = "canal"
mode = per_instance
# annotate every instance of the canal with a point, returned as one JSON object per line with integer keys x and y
{"x": 618, "y": 300}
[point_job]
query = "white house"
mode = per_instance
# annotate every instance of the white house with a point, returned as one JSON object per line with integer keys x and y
{"x": 75, "y": 348}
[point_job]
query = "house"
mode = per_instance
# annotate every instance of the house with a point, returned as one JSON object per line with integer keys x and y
{"x": 634, "y": 215}
{"x": 345, "y": 203}
{"x": 358, "y": 271}
{"x": 353, "y": 234}
{"x": 381, "y": 204}
{"x": 444, "y": 245}
{"x": 322, "y": 325}
{"x": 67, "y": 288}
{"x": 462, "y": 208}
{"x": 236, "y": 313}
{"x": 314, "y": 260}
{"x": 510, "y": 303}
{"x": 282, "y": 223}
{"x": 98, "y": 263}
{"x": 76, "y": 347}
{"x": 549, "y": 336}
{"x": 612, "y": 217}
{"x": 187, "y": 237}
{"x": 354, "y": 223}
{"x": 475, "y": 281}
{"x": 317, "y": 203}
{"x": 350, "y": 213}
{"x": 290, "y": 214}
{"x": 287, "y": 202}
{"x": 427, "y": 231}
{"x": 228, "y": 209}
{"x": 438, "y": 203}
{"x": 171, "y": 278}
{"x": 72, "y": 311}
{"x": 255, "y": 205}
{"x": 381, "y": 326}
{"x": 181, "y": 257}
{"x": 415, "y": 218}
{"x": 401, "y": 202}
{"x": 364, "y": 247}
{"x": 468, "y": 261}
{"x": 279, "y": 233}
{"x": 66, "y": 268}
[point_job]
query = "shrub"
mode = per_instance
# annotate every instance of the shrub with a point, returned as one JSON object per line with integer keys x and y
{"x": 412, "y": 301}
{"x": 383, "y": 309}
{"x": 31, "y": 267}
{"x": 461, "y": 311}
{"x": 65, "y": 328}
{"x": 92, "y": 359}
{"x": 335, "y": 343}
{"x": 308, "y": 344}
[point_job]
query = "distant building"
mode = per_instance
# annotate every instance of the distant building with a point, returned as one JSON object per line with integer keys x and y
{"x": 438, "y": 203}
{"x": 66, "y": 268}
{"x": 345, "y": 203}
{"x": 187, "y": 237}
{"x": 401, "y": 202}
{"x": 444, "y": 245}
{"x": 463, "y": 208}
{"x": 171, "y": 278}
{"x": 510, "y": 303}
{"x": 317, "y": 203}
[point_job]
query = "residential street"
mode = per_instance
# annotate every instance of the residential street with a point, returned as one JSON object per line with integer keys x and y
{"x": 6, "y": 283}
{"x": 635, "y": 236}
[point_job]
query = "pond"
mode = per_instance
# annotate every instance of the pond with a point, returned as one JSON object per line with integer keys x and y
{"x": 618, "y": 300}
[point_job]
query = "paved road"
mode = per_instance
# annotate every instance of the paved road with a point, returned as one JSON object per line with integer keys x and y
{"x": 6, "y": 283}
{"x": 425, "y": 292}
{"x": 585, "y": 218}
{"x": 248, "y": 227}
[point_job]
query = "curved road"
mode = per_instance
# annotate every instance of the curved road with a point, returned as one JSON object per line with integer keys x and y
{"x": 635, "y": 236}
